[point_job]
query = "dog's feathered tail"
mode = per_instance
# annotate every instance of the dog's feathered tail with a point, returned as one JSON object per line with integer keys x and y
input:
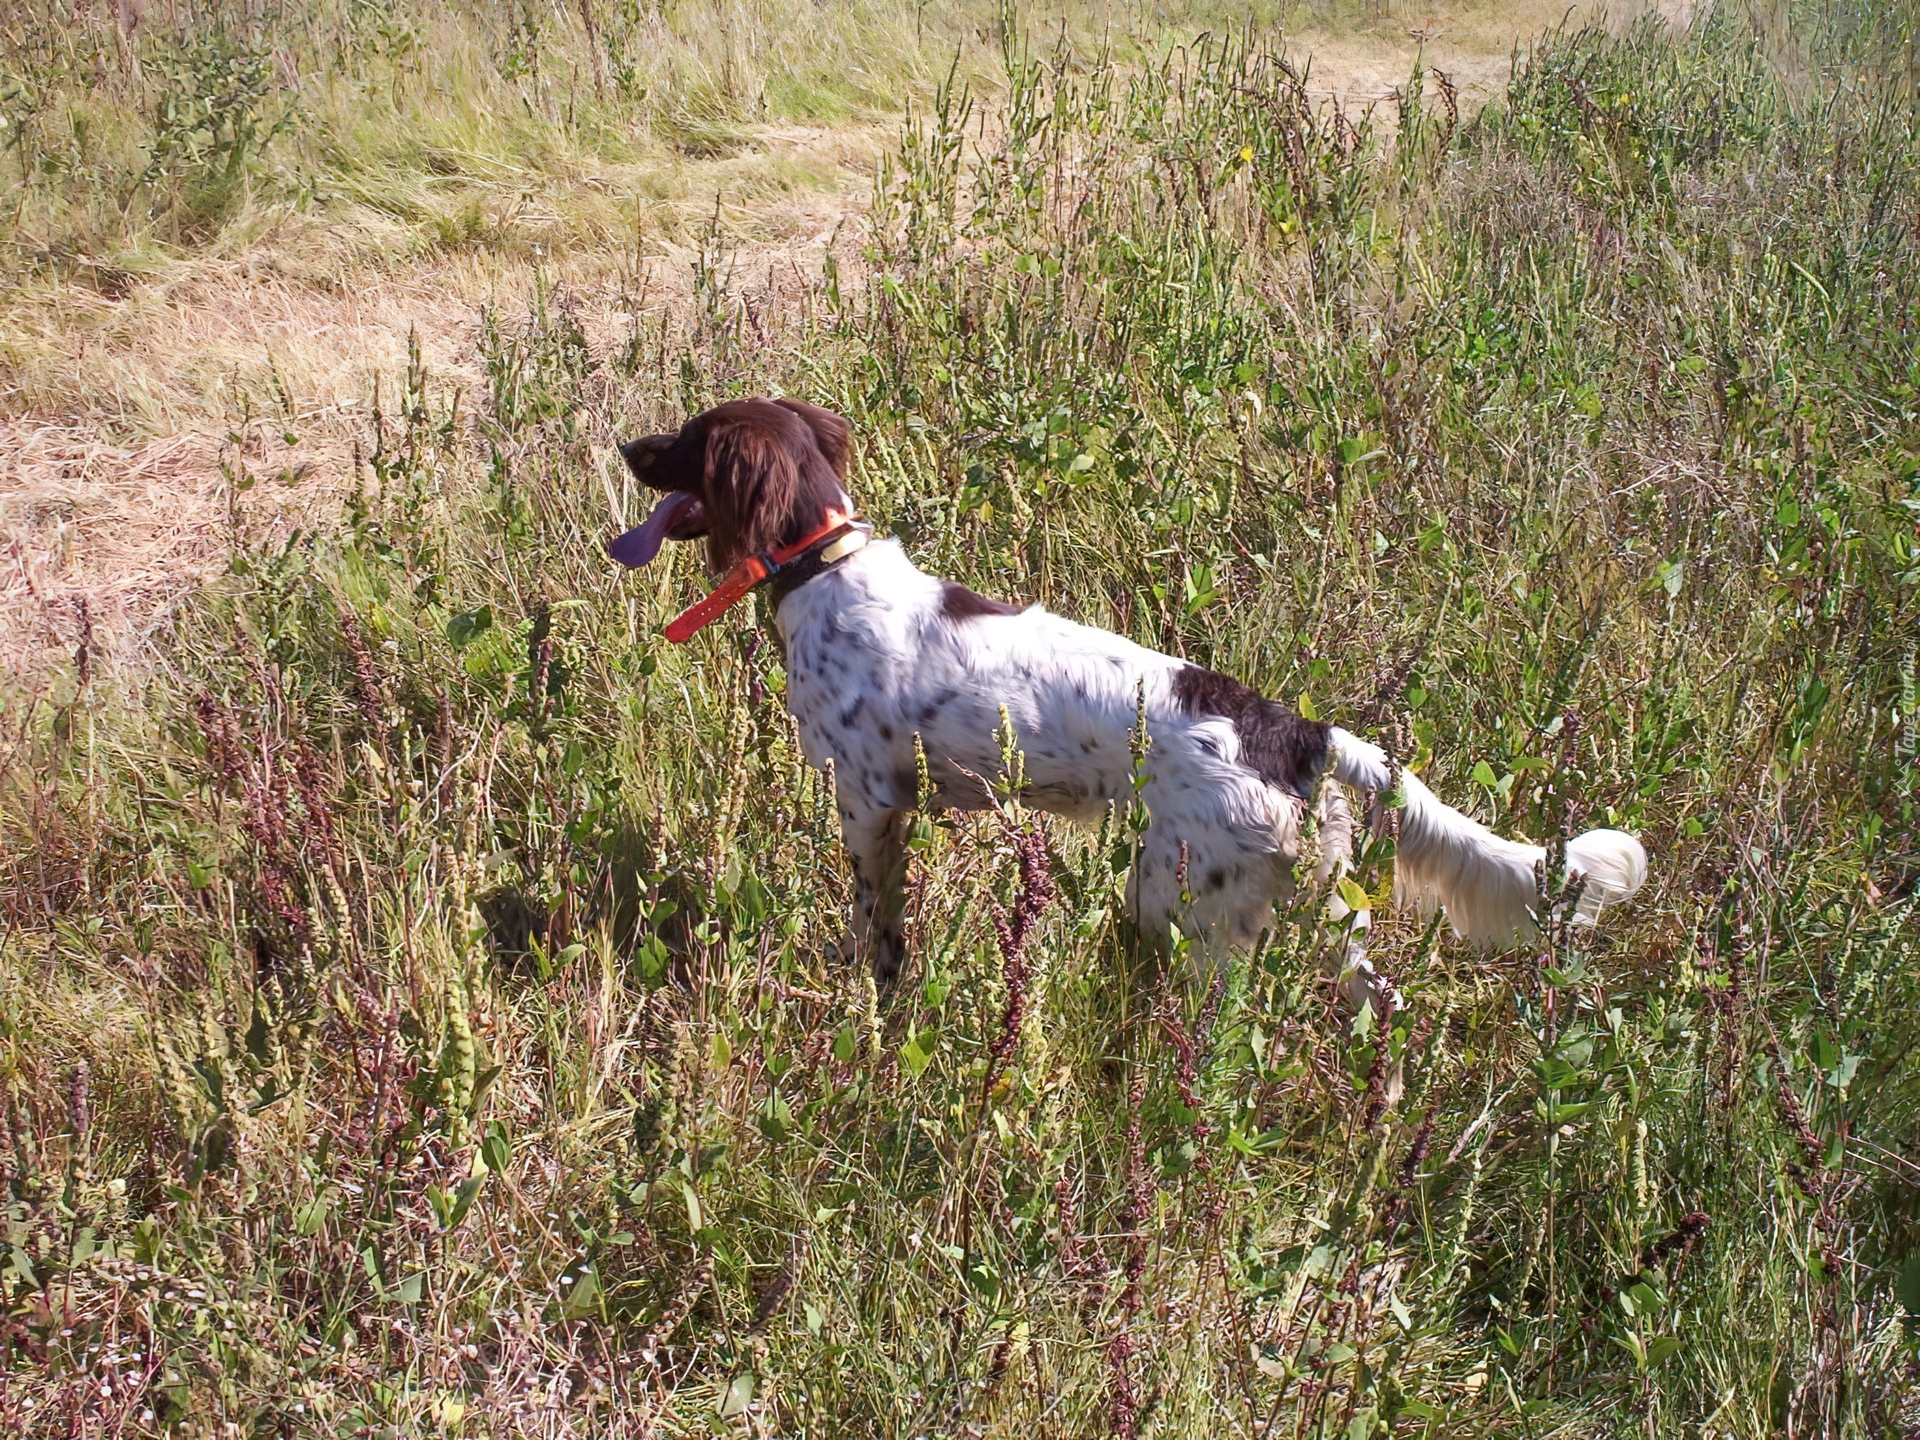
{"x": 1486, "y": 883}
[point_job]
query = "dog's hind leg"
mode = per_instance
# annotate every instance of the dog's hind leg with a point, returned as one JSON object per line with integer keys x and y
{"x": 876, "y": 842}
{"x": 1215, "y": 890}
{"x": 1352, "y": 971}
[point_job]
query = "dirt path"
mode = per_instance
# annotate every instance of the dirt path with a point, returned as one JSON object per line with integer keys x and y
{"x": 113, "y": 503}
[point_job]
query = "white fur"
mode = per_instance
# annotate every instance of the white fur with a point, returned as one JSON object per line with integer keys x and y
{"x": 872, "y": 659}
{"x": 1487, "y": 884}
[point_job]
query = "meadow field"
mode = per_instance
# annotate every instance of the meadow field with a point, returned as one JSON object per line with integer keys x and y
{"x": 421, "y": 1007}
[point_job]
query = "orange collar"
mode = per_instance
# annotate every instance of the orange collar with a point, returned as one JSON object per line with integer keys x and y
{"x": 744, "y": 576}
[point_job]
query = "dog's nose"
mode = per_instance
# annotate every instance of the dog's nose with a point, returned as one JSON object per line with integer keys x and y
{"x": 641, "y": 454}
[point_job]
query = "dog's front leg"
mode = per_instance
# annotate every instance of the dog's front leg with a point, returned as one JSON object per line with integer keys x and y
{"x": 876, "y": 842}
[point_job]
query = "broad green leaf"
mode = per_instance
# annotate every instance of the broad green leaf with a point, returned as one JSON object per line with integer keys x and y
{"x": 469, "y": 625}
{"x": 1631, "y": 1344}
{"x": 917, "y": 1054}
{"x": 694, "y": 1220}
{"x": 1554, "y": 1073}
{"x": 738, "y": 1396}
{"x": 582, "y": 1297}
{"x": 1907, "y": 1289}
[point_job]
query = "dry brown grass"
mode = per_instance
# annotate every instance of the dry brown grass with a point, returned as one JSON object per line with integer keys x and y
{"x": 123, "y": 408}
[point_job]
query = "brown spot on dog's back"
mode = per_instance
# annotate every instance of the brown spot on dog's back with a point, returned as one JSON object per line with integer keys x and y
{"x": 958, "y": 603}
{"x": 1282, "y": 748}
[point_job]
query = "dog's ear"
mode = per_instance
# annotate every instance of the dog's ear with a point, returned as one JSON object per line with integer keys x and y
{"x": 830, "y": 433}
{"x": 752, "y": 481}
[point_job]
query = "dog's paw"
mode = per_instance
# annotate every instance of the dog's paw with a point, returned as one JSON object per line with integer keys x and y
{"x": 889, "y": 952}
{"x": 884, "y": 954}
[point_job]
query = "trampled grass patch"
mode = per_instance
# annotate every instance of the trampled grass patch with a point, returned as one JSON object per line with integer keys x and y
{"x": 422, "y": 1009}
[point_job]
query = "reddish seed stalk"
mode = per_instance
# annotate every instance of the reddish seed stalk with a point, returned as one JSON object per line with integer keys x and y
{"x": 78, "y": 1110}
{"x": 1123, "y": 1405}
{"x": 1011, "y": 928}
{"x": 542, "y": 669}
{"x": 1677, "y": 1246}
{"x": 1122, "y": 1398}
{"x": 366, "y": 676}
{"x": 224, "y": 762}
{"x": 442, "y": 748}
{"x": 1813, "y": 1179}
{"x": 310, "y": 784}
{"x": 1065, "y": 1203}
{"x": 83, "y": 650}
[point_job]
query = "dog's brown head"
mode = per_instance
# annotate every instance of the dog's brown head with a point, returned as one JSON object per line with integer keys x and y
{"x": 750, "y": 475}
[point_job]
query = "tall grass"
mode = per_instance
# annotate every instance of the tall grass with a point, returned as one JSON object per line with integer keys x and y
{"x": 422, "y": 1008}
{"x": 135, "y": 131}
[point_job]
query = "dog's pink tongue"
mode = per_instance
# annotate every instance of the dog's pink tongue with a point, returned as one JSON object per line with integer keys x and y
{"x": 642, "y": 543}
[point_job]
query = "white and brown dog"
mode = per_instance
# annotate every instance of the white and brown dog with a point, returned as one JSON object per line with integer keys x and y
{"x": 878, "y": 652}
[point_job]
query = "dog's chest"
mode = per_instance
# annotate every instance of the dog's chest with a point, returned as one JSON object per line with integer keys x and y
{"x": 852, "y": 639}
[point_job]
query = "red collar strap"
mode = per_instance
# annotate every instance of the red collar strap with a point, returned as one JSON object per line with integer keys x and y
{"x": 752, "y": 571}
